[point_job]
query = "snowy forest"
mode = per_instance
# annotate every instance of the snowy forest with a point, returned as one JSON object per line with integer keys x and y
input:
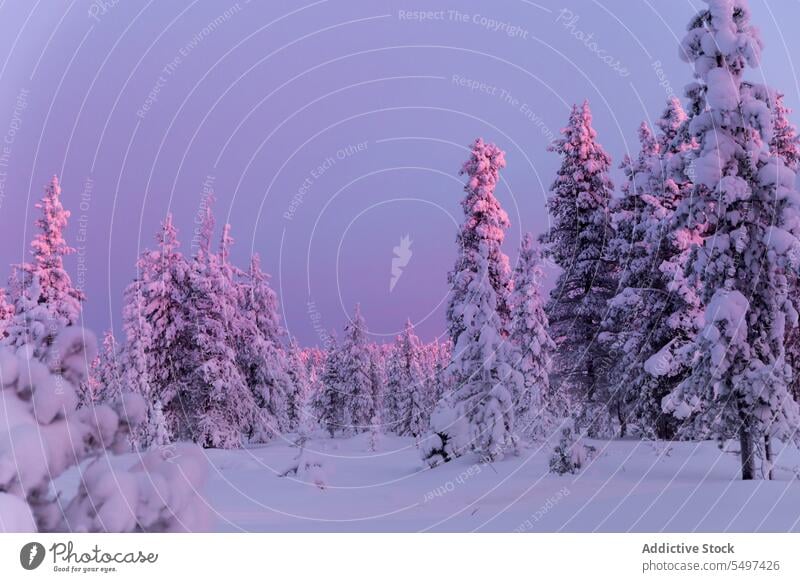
{"x": 673, "y": 319}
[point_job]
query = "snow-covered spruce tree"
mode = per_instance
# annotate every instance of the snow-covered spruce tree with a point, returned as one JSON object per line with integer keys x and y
{"x": 392, "y": 395}
{"x": 330, "y": 400}
{"x": 653, "y": 317}
{"x": 262, "y": 302}
{"x": 483, "y": 362}
{"x": 109, "y": 369}
{"x": 432, "y": 392}
{"x": 44, "y": 298}
{"x": 739, "y": 385}
{"x": 577, "y": 242}
{"x": 89, "y": 392}
{"x": 155, "y": 431}
{"x": 784, "y": 143}
{"x": 314, "y": 359}
{"x": 378, "y": 372}
{"x": 377, "y": 379}
{"x": 307, "y": 466}
{"x": 216, "y": 407}
{"x": 136, "y": 371}
{"x": 43, "y": 433}
{"x": 535, "y": 406}
{"x": 300, "y": 383}
{"x": 154, "y": 323}
{"x": 257, "y": 337}
{"x": 631, "y": 217}
{"x": 405, "y": 380}
{"x": 479, "y": 414}
{"x": 441, "y": 381}
{"x": 355, "y": 384}
{"x": 485, "y": 224}
{"x": 645, "y": 316}
{"x": 561, "y": 461}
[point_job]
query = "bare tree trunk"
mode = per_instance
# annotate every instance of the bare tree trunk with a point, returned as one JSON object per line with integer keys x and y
{"x": 768, "y": 457}
{"x": 746, "y": 445}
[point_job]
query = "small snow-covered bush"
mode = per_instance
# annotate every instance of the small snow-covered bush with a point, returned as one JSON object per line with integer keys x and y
{"x": 43, "y": 433}
{"x": 311, "y": 469}
{"x": 571, "y": 454}
{"x": 307, "y": 466}
{"x": 374, "y": 433}
{"x": 449, "y": 436}
{"x": 434, "y": 449}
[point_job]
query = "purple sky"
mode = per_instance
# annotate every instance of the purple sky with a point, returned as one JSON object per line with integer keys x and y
{"x": 327, "y": 130}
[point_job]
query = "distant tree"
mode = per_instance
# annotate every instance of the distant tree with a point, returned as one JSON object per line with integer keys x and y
{"x": 441, "y": 381}
{"x": 377, "y": 380}
{"x": 355, "y": 383}
{"x": 300, "y": 382}
{"x": 406, "y": 381}
{"x": 330, "y": 400}
{"x": 109, "y": 369}
{"x": 784, "y": 141}
{"x": 89, "y": 390}
{"x": 434, "y": 360}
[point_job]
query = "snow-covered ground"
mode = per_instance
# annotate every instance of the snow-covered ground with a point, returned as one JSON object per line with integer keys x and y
{"x": 629, "y": 486}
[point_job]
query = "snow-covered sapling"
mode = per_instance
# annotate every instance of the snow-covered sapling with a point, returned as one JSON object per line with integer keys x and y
{"x": 570, "y": 454}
